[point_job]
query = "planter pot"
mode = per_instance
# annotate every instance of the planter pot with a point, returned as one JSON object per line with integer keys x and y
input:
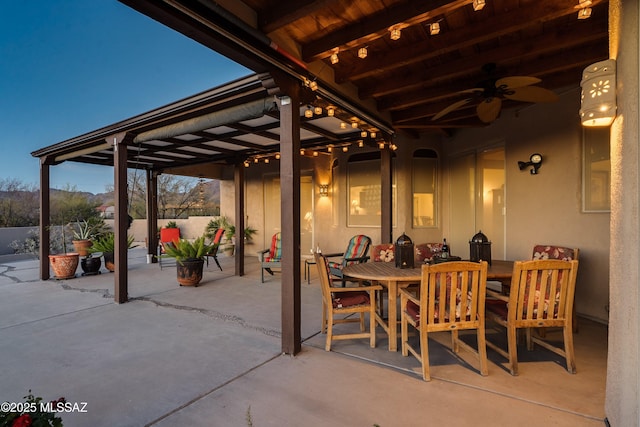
{"x": 64, "y": 265}
{"x": 82, "y": 246}
{"x": 90, "y": 266}
{"x": 190, "y": 272}
{"x": 108, "y": 261}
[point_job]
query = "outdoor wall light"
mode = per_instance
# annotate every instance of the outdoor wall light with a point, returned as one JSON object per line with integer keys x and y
{"x": 323, "y": 189}
{"x": 598, "y": 99}
{"x": 535, "y": 161}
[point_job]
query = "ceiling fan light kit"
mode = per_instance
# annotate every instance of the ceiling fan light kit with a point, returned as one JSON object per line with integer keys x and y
{"x": 598, "y": 98}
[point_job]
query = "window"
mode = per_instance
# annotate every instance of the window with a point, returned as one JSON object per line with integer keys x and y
{"x": 364, "y": 190}
{"x": 424, "y": 182}
{"x": 596, "y": 170}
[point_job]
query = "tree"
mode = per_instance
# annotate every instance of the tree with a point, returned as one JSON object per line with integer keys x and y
{"x": 69, "y": 205}
{"x": 19, "y": 204}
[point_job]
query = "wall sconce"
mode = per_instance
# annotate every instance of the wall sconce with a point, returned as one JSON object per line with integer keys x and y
{"x": 598, "y": 99}
{"x": 535, "y": 161}
{"x": 323, "y": 189}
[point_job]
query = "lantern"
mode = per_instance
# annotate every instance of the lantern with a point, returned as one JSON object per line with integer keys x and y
{"x": 480, "y": 248}
{"x": 404, "y": 252}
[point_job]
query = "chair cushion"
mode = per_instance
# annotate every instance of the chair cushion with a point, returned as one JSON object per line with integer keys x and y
{"x": 275, "y": 251}
{"x": 383, "y": 253}
{"x": 553, "y": 252}
{"x": 358, "y": 247}
{"x": 424, "y": 252}
{"x": 349, "y": 299}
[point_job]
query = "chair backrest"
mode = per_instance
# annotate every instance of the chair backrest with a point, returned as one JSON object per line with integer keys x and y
{"x": 552, "y": 283}
{"x": 275, "y": 250}
{"x": 384, "y": 252}
{"x": 358, "y": 247}
{"x": 456, "y": 287}
{"x": 426, "y": 251}
{"x": 215, "y": 242}
{"x": 326, "y": 282}
{"x": 554, "y": 252}
{"x": 169, "y": 235}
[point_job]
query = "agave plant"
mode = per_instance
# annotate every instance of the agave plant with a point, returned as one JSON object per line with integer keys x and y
{"x": 186, "y": 250}
{"x": 106, "y": 243}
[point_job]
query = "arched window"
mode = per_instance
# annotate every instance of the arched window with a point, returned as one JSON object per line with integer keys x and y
{"x": 364, "y": 190}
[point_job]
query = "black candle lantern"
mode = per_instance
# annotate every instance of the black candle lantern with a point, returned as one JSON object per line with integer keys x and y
{"x": 480, "y": 248}
{"x": 404, "y": 252}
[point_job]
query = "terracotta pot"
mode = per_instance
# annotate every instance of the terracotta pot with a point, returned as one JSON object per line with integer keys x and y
{"x": 109, "y": 262}
{"x": 82, "y": 246}
{"x": 190, "y": 272}
{"x": 64, "y": 265}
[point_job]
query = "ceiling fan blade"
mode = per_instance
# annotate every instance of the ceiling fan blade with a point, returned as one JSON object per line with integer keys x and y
{"x": 489, "y": 109}
{"x": 475, "y": 90}
{"x": 450, "y": 108}
{"x": 532, "y": 94}
{"x": 517, "y": 81}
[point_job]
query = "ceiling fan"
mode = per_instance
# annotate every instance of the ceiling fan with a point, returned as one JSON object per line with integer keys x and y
{"x": 491, "y": 91}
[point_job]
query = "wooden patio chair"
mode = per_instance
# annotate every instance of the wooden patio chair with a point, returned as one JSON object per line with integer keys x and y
{"x": 552, "y": 284}
{"x": 271, "y": 257}
{"x": 215, "y": 242}
{"x": 356, "y": 252}
{"x": 451, "y": 298}
{"x": 344, "y": 302}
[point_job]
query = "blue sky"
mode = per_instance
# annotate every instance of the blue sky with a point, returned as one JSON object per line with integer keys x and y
{"x": 71, "y": 66}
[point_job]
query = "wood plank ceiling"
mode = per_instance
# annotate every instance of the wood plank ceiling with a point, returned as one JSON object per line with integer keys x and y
{"x": 419, "y": 74}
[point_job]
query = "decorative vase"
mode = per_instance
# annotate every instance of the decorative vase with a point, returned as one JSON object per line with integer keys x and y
{"x": 82, "y": 246}
{"x": 189, "y": 272}
{"x": 90, "y": 266}
{"x": 109, "y": 262}
{"x": 64, "y": 265}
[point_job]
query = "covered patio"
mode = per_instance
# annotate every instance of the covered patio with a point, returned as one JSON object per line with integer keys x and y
{"x": 211, "y": 356}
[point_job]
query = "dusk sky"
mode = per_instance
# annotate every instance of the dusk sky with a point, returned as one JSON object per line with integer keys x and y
{"x": 68, "y": 67}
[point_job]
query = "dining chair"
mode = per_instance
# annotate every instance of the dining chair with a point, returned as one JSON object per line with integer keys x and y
{"x": 451, "y": 298}
{"x": 541, "y": 295}
{"x": 215, "y": 245}
{"x": 557, "y": 252}
{"x": 339, "y": 303}
{"x": 271, "y": 257}
{"x": 356, "y": 252}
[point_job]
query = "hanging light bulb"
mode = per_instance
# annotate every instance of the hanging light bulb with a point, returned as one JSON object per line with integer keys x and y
{"x": 302, "y": 151}
{"x": 394, "y": 33}
{"x": 360, "y": 143}
{"x": 331, "y": 111}
{"x": 318, "y": 111}
{"x": 308, "y": 113}
{"x": 478, "y": 4}
{"x": 363, "y": 134}
{"x": 373, "y": 134}
{"x": 343, "y": 125}
{"x": 584, "y": 13}
{"x": 381, "y": 145}
{"x": 277, "y": 156}
{"x": 362, "y": 52}
{"x": 434, "y": 28}
{"x": 329, "y": 149}
{"x": 313, "y": 85}
{"x": 354, "y": 125}
{"x": 334, "y": 57}
{"x": 315, "y": 154}
{"x": 345, "y": 149}
{"x": 246, "y": 163}
{"x": 266, "y": 160}
{"x": 255, "y": 160}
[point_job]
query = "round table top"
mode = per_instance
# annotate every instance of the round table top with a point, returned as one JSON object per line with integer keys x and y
{"x": 498, "y": 269}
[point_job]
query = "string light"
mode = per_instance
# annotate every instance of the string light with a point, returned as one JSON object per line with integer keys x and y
{"x": 345, "y": 148}
{"x": 363, "y": 134}
{"x": 584, "y": 13}
{"x": 394, "y": 33}
{"x": 360, "y": 143}
{"x": 331, "y": 111}
{"x": 362, "y": 52}
{"x": 318, "y": 111}
{"x": 354, "y": 125}
{"x": 334, "y": 57}
{"x": 478, "y": 5}
{"x": 343, "y": 125}
{"x": 434, "y": 28}
{"x": 313, "y": 85}
{"x": 308, "y": 113}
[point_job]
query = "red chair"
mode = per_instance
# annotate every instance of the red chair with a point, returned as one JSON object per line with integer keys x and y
{"x": 215, "y": 245}
{"x": 168, "y": 236}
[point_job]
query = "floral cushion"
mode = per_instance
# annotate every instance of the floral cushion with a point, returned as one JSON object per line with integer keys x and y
{"x": 414, "y": 310}
{"x": 424, "y": 252}
{"x": 553, "y": 252}
{"x": 349, "y": 299}
{"x": 383, "y": 253}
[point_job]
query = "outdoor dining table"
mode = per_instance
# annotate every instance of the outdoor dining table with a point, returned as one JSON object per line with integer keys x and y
{"x": 392, "y": 278}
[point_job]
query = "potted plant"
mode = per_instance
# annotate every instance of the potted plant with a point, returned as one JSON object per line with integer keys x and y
{"x": 91, "y": 264}
{"x": 64, "y": 264}
{"x": 85, "y": 231}
{"x": 230, "y": 233}
{"x": 106, "y": 246}
{"x": 190, "y": 259}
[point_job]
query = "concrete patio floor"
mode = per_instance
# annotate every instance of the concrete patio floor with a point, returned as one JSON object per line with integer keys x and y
{"x": 211, "y": 356}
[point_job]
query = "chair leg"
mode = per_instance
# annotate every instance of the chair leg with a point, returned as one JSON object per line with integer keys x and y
{"x": 327, "y": 345}
{"x": 215, "y": 258}
{"x": 482, "y": 351}
{"x": 513, "y": 350}
{"x": 424, "y": 354}
{"x": 568, "y": 349}
{"x": 404, "y": 332}
{"x": 324, "y": 318}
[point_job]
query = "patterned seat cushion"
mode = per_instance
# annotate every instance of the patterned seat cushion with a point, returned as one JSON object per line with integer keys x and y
{"x": 414, "y": 310}
{"x": 426, "y": 251}
{"x": 349, "y": 299}
{"x": 383, "y": 253}
{"x": 553, "y": 252}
